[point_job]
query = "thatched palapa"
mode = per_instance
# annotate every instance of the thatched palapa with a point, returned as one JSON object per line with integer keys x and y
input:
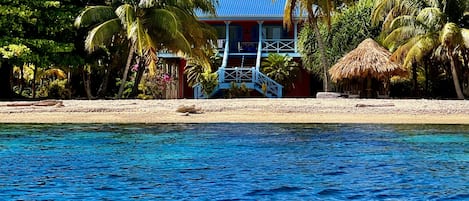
{"x": 368, "y": 60}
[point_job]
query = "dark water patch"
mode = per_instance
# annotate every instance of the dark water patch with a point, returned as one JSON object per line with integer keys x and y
{"x": 330, "y": 192}
{"x": 335, "y": 173}
{"x": 282, "y": 189}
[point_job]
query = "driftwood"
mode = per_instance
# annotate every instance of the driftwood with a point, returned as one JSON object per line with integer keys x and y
{"x": 375, "y": 105}
{"x": 189, "y": 109}
{"x": 38, "y": 103}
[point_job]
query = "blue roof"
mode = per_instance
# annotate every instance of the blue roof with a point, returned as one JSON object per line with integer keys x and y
{"x": 247, "y": 9}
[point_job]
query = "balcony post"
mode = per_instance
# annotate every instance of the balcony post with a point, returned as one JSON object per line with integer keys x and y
{"x": 227, "y": 44}
{"x": 259, "y": 46}
{"x": 295, "y": 35}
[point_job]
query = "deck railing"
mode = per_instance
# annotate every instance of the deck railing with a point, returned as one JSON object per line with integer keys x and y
{"x": 236, "y": 74}
{"x": 278, "y": 45}
{"x": 250, "y": 76}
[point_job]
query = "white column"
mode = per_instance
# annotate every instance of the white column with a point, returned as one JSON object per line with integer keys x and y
{"x": 259, "y": 46}
{"x": 227, "y": 44}
{"x": 295, "y": 35}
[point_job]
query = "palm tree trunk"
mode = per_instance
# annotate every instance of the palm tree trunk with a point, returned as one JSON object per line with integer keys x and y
{"x": 34, "y": 81}
{"x": 87, "y": 83}
{"x": 322, "y": 50}
{"x": 104, "y": 85}
{"x": 454, "y": 73}
{"x": 415, "y": 84}
{"x": 126, "y": 71}
{"x": 138, "y": 78}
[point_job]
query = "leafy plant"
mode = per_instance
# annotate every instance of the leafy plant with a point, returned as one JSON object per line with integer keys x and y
{"x": 238, "y": 90}
{"x": 209, "y": 82}
{"x": 196, "y": 66}
{"x": 281, "y": 68}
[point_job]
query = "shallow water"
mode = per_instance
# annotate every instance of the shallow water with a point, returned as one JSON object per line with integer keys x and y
{"x": 234, "y": 162}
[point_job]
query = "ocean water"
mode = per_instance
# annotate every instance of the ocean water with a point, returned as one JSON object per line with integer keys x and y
{"x": 233, "y": 162}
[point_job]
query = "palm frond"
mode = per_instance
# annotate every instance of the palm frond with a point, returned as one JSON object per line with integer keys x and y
{"x": 405, "y": 20}
{"x": 432, "y": 17}
{"x": 94, "y": 14}
{"x": 161, "y": 20}
{"x": 400, "y": 35}
{"x": 290, "y": 6}
{"x": 380, "y": 10}
{"x": 451, "y": 36}
{"x": 102, "y": 34}
{"x": 399, "y": 55}
{"x": 465, "y": 37}
{"x": 422, "y": 48}
{"x": 138, "y": 36}
{"x": 126, "y": 14}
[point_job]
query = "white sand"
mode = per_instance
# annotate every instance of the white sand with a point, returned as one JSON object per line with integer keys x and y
{"x": 260, "y": 110}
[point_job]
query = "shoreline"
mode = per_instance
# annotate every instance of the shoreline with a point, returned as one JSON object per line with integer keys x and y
{"x": 256, "y": 110}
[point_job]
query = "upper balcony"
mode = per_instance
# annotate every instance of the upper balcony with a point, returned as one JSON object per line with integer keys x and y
{"x": 281, "y": 46}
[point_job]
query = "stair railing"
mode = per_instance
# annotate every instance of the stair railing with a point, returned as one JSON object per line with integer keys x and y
{"x": 272, "y": 88}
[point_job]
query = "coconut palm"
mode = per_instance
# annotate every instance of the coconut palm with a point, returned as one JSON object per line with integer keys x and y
{"x": 149, "y": 25}
{"x": 315, "y": 10}
{"x": 417, "y": 35}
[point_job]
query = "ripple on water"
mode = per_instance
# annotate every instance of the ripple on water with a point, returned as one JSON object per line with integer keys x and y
{"x": 282, "y": 189}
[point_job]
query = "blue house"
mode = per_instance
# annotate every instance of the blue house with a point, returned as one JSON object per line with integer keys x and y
{"x": 248, "y": 31}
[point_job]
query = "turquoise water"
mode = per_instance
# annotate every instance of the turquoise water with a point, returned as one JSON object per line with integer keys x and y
{"x": 234, "y": 162}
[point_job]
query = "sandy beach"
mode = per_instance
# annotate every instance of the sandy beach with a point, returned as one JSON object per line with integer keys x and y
{"x": 243, "y": 111}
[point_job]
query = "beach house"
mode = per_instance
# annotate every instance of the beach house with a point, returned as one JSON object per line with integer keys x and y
{"x": 248, "y": 31}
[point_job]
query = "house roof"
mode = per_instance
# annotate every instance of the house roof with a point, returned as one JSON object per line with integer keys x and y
{"x": 247, "y": 9}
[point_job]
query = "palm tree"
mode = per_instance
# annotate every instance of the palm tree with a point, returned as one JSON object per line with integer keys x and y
{"x": 315, "y": 10}
{"x": 420, "y": 31}
{"x": 149, "y": 25}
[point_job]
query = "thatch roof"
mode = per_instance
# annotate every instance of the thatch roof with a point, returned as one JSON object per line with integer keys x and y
{"x": 369, "y": 59}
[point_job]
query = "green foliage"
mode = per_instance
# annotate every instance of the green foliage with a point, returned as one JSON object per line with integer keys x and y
{"x": 281, "y": 68}
{"x": 238, "y": 90}
{"x": 196, "y": 66}
{"x": 209, "y": 82}
{"x": 348, "y": 28}
{"x": 58, "y": 89}
{"x": 128, "y": 85}
{"x": 14, "y": 51}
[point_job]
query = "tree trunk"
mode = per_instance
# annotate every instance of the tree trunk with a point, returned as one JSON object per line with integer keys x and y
{"x": 138, "y": 78}
{"x": 6, "y": 70}
{"x": 126, "y": 71}
{"x": 454, "y": 73}
{"x": 34, "y": 81}
{"x": 415, "y": 84}
{"x": 322, "y": 50}
{"x": 104, "y": 85}
{"x": 87, "y": 83}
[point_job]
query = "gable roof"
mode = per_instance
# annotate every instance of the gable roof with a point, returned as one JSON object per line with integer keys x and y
{"x": 247, "y": 10}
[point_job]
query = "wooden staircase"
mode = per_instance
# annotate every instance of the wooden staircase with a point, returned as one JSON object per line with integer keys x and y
{"x": 249, "y": 76}
{"x": 242, "y": 69}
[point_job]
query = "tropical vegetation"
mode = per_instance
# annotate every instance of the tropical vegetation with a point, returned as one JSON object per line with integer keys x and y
{"x": 315, "y": 11}
{"x": 109, "y": 49}
{"x": 352, "y": 24}
{"x": 427, "y": 35}
{"x": 148, "y": 26}
{"x": 282, "y": 69}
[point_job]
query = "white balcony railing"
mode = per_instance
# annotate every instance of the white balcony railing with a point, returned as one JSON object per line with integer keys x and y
{"x": 278, "y": 45}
